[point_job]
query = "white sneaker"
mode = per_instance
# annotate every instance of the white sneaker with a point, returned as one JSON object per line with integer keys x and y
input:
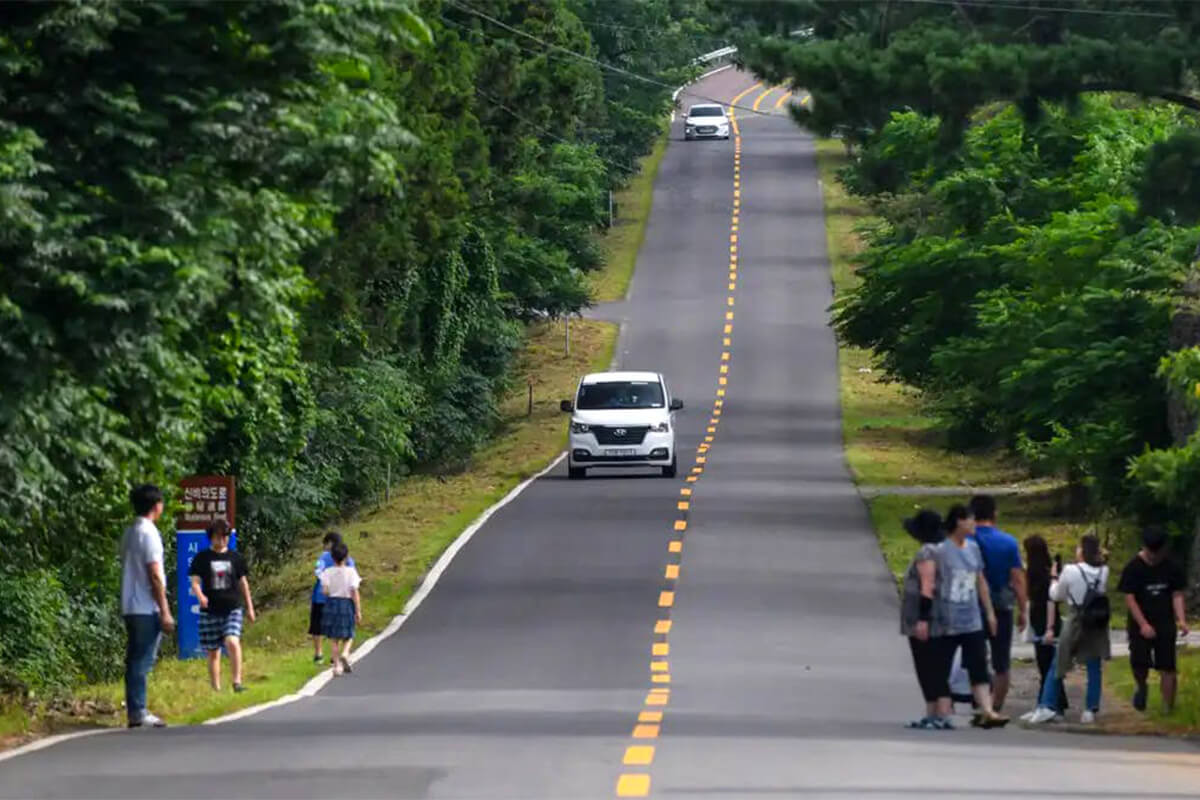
{"x": 148, "y": 720}
{"x": 1087, "y": 718}
{"x": 1041, "y": 715}
{"x": 1028, "y": 715}
{"x": 337, "y": 668}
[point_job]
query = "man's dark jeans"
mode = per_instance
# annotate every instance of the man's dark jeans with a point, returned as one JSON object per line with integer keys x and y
{"x": 145, "y": 633}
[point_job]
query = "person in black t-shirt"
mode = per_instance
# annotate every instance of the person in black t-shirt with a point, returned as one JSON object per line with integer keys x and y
{"x": 1153, "y": 585}
{"x": 220, "y": 582}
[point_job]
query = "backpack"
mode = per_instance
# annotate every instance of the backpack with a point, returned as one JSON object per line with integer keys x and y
{"x": 1094, "y": 611}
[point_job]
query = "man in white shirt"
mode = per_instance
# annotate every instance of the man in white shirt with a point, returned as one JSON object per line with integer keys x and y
{"x": 143, "y": 601}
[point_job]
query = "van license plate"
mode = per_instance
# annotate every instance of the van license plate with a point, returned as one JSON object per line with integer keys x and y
{"x": 622, "y": 452}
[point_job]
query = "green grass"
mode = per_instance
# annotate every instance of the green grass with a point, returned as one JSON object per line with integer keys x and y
{"x": 393, "y": 545}
{"x": 623, "y": 241}
{"x": 890, "y": 440}
{"x": 1119, "y": 716}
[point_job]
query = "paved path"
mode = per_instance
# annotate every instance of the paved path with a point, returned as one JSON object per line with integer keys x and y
{"x": 526, "y": 671}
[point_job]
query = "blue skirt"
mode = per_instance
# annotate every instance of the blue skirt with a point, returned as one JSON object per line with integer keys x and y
{"x": 337, "y": 620}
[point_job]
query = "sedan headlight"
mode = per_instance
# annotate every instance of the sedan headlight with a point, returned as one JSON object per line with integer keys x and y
{"x": 580, "y": 427}
{"x": 662, "y": 427}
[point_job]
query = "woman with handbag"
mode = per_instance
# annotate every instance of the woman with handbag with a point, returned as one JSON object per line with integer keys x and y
{"x": 1083, "y": 585}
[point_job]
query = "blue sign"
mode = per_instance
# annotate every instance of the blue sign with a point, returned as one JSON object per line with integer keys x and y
{"x": 189, "y": 544}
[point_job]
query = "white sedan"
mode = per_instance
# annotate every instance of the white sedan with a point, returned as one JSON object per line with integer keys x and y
{"x": 706, "y": 121}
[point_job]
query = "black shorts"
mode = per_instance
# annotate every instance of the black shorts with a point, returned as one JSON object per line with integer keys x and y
{"x": 1157, "y": 653}
{"x": 1001, "y": 643}
{"x": 315, "y": 612}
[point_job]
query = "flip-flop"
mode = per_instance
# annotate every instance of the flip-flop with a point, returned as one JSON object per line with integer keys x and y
{"x": 993, "y": 722}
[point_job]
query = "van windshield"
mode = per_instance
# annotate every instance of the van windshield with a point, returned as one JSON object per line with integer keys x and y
{"x": 620, "y": 394}
{"x": 706, "y": 111}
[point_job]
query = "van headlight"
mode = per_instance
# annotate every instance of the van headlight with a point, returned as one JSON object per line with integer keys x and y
{"x": 580, "y": 427}
{"x": 662, "y": 427}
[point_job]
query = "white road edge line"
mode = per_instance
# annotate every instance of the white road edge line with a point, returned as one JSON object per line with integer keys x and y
{"x": 675, "y": 96}
{"x": 50, "y": 741}
{"x": 435, "y": 573}
{"x": 318, "y": 682}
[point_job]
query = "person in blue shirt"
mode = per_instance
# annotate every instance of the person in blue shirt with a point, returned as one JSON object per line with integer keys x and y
{"x": 317, "y": 609}
{"x": 1006, "y": 582}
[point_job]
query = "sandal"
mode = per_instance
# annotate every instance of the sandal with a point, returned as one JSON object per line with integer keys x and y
{"x": 994, "y": 721}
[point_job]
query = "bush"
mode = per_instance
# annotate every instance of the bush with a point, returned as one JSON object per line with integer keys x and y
{"x": 35, "y": 647}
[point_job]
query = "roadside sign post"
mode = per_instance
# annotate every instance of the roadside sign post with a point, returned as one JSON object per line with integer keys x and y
{"x": 206, "y": 499}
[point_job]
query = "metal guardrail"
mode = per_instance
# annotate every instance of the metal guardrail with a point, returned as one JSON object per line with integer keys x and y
{"x": 717, "y": 59}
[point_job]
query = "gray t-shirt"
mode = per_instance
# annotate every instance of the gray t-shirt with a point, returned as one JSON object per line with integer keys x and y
{"x": 910, "y": 604}
{"x": 956, "y": 607}
{"x": 141, "y": 545}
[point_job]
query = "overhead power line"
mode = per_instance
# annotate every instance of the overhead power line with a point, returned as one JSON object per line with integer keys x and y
{"x": 1103, "y": 12}
{"x": 547, "y": 132}
{"x": 588, "y": 59}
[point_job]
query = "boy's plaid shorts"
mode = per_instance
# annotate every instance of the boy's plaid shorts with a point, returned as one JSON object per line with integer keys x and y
{"x": 215, "y": 628}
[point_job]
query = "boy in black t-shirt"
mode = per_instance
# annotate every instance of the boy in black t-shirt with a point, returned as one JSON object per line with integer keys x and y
{"x": 220, "y": 581}
{"x": 1153, "y": 585}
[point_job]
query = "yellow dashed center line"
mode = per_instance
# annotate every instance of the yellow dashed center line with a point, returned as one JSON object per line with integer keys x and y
{"x": 638, "y": 755}
{"x": 649, "y": 722}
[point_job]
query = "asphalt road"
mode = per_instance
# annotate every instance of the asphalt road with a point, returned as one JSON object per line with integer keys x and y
{"x": 542, "y": 660}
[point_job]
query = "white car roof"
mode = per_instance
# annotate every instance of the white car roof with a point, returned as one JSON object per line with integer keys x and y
{"x": 612, "y": 377}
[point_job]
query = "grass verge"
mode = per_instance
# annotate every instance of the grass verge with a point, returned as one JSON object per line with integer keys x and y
{"x": 393, "y": 545}
{"x": 1120, "y": 716}
{"x": 889, "y": 440}
{"x": 624, "y": 239}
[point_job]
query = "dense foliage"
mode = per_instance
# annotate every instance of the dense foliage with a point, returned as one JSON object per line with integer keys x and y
{"x": 290, "y": 241}
{"x": 1034, "y": 167}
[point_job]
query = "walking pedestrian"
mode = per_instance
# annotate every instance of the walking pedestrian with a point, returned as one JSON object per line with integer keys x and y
{"x": 317, "y": 608}
{"x": 343, "y": 606}
{"x": 962, "y": 591}
{"x": 1045, "y": 622}
{"x": 221, "y": 584}
{"x": 1006, "y": 582}
{"x": 916, "y": 615}
{"x": 1083, "y": 585}
{"x": 1153, "y": 585}
{"x": 143, "y": 601}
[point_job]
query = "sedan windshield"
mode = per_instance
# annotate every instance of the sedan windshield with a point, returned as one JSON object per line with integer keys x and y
{"x": 620, "y": 394}
{"x": 706, "y": 111}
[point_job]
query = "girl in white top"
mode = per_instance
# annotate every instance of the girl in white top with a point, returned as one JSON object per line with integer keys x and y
{"x": 1078, "y": 642}
{"x": 343, "y": 606}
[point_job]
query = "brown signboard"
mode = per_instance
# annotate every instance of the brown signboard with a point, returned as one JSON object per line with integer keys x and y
{"x": 206, "y": 498}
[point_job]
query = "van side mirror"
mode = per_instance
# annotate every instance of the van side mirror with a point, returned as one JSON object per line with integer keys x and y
{"x": 567, "y": 406}
{"x": 676, "y": 404}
